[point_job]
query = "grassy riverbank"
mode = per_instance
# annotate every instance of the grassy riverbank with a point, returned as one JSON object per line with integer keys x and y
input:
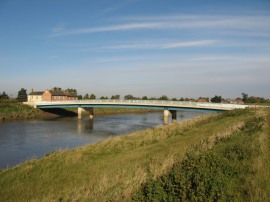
{"x": 15, "y": 111}
{"x": 118, "y": 168}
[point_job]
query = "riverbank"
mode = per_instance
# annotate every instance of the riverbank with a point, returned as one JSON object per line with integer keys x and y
{"x": 17, "y": 111}
{"x": 118, "y": 168}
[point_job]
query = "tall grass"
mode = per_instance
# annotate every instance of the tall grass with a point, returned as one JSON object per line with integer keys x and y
{"x": 114, "y": 169}
{"x": 17, "y": 111}
{"x": 236, "y": 168}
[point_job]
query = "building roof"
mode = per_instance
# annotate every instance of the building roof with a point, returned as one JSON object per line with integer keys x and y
{"x": 71, "y": 94}
{"x": 57, "y": 93}
{"x": 36, "y": 93}
{"x": 62, "y": 93}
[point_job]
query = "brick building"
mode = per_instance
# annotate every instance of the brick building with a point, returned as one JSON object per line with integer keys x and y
{"x": 50, "y": 95}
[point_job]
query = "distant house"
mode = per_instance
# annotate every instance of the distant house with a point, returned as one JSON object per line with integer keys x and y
{"x": 202, "y": 100}
{"x": 239, "y": 101}
{"x": 50, "y": 95}
{"x": 35, "y": 96}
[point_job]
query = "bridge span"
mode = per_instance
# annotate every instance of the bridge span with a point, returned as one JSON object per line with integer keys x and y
{"x": 170, "y": 107}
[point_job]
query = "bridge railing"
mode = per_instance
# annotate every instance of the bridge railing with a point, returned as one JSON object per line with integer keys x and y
{"x": 149, "y": 103}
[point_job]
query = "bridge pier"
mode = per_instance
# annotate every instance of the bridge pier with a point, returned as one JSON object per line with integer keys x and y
{"x": 167, "y": 113}
{"x": 80, "y": 113}
{"x": 90, "y": 110}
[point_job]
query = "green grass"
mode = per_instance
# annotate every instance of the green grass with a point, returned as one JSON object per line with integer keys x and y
{"x": 113, "y": 111}
{"x": 221, "y": 173}
{"x": 117, "y": 168}
{"x": 17, "y": 111}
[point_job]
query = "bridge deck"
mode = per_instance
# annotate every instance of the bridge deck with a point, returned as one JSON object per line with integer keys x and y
{"x": 152, "y": 104}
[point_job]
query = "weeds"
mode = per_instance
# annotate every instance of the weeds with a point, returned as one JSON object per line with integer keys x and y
{"x": 217, "y": 174}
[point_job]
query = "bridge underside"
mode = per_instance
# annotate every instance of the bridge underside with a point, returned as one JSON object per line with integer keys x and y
{"x": 168, "y": 110}
{"x": 131, "y": 106}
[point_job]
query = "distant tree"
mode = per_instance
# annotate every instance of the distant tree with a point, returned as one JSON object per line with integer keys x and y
{"x": 22, "y": 95}
{"x": 144, "y": 98}
{"x": 103, "y": 98}
{"x": 129, "y": 97}
{"x": 4, "y": 96}
{"x": 182, "y": 99}
{"x": 71, "y": 90}
{"x": 163, "y": 97}
{"x": 92, "y": 97}
{"x": 86, "y": 97}
{"x": 152, "y": 98}
{"x": 115, "y": 97}
{"x": 216, "y": 99}
{"x": 244, "y": 97}
{"x": 174, "y": 99}
{"x": 80, "y": 97}
{"x": 56, "y": 89}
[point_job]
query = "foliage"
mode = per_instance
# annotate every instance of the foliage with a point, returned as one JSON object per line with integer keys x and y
{"x": 129, "y": 97}
{"x": 115, "y": 97}
{"x": 216, "y": 99}
{"x": 4, "y": 95}
{"x": 104, "y": 98}
{"x": 22, "y": 95}
{"x": 80, "y": 97}
{"x": 12, "y": 110}
{"x": 144, "y": 98}
{"x": 92, "y": 97}
{"x": 71, "y": 90}
{"x": 253, "y": 99}
{"x": 86, "y": 97}
{"x": 163, "y": 97}
{"x": 218, "y": 174}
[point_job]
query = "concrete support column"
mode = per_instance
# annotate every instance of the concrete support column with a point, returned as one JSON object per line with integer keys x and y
{"x": 166, "y": 117}
{"x": 80, "y": 113}
{"x": 174, "y": 115}
{"x": 91, "y": 113}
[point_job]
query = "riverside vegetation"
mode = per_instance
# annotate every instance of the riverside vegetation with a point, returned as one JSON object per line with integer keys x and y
{"x": 221, "y": 157}
{"x": 11, "y": 110}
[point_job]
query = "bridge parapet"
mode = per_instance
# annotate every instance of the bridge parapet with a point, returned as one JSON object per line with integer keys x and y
{"x": 138, "y": 103}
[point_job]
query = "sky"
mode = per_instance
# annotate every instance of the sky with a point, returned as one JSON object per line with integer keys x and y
{"x": 178, "y": 48}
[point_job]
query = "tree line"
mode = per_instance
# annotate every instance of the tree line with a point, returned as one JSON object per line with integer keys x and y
{"x": 22, "y": 97}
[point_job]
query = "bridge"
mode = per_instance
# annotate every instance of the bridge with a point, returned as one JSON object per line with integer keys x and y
{"x": 170, "y": 107}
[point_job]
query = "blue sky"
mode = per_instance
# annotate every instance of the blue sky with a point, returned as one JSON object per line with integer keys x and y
{"x": 178, "y": 48}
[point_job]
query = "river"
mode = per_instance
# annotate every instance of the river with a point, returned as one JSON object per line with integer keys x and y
{"x": 24, "y": 140}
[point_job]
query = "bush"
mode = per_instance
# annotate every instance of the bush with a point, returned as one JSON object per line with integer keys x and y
{"x": 215, "y": 175}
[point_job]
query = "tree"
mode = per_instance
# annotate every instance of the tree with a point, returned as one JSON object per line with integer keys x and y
{"x": 22, "y": 95}
{"x": 163, "y": 97}
{"x": 115, "y": 97}
{"x": 71, "y": 90}
{"x": 4, "y": 96}
{"x": 129, "y": 97}
{"x": 86, "y": 97}
{"x": 244, "y": 97}
{"x": 92, "y": 97}
{"x": 216, "y": 99}
{"x": 174, "y": 99}
{"x": 103, "y": 98}
{"x": 80, "y": 97}
{"x": 56, "y": 89}
{"x": 144, "y": 98}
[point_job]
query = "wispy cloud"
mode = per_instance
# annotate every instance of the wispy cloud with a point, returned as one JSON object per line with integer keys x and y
{"x": 189, "y": 44}
{"x": 159, "y": 44}
{"x": 253, "y": 24}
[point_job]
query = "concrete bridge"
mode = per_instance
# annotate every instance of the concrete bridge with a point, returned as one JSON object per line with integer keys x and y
{"x": 170, "y": 107}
